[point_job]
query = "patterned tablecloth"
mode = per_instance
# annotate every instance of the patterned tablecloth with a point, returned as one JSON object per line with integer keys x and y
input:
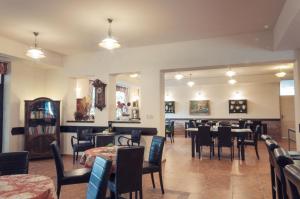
{"x": 26, "y": 186}
{"x": 89, "y": 156}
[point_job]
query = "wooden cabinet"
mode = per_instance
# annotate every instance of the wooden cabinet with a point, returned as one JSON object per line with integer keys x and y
{"x": 42, "y": 126}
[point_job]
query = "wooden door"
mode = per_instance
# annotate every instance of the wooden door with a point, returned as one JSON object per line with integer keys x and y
{"x": 287, "y": 113}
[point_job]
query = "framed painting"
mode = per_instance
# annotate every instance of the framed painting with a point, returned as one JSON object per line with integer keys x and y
{"x": 199, "y": 107}
{"x": 238, "y": 106}
{"x": 170, "y": 107}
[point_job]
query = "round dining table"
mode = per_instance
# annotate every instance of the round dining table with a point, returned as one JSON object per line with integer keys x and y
{"x": 26, "y": 186}
{"x": 89, "y": 156}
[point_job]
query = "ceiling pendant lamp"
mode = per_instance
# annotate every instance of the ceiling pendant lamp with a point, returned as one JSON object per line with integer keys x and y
{"x": 178, "y": 76}
{"x": 230, "y": 73}
{"x": 109, "y": 42}
{"x": 35, "y": 52}
{"x": 281, "y": 73}
{"x": 232, "y": 81}
{"x": 190, "y": 83}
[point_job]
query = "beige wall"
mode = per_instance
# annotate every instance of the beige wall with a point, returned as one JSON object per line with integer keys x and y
{"x": 24, "y": 81}
{"x": 262, "y": 99}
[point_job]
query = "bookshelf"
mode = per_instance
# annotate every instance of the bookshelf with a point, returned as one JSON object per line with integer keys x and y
{"x": 42, "y": 126}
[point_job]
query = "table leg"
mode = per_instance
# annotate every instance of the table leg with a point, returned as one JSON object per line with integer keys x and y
{"x": 242, "y": 149}
{"x": 193, "y": 144}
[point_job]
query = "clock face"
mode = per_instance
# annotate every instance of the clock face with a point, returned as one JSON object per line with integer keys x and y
{"x": 99, "y": 90}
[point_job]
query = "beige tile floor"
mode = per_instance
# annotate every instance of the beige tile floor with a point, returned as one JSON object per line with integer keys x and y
{"x": 191, "y": 178}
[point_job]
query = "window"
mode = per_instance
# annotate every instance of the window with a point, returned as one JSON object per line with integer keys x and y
{"x": 287, "y": 87}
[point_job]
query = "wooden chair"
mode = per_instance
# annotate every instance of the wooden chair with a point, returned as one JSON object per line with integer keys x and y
{"x": 253, "y": 141}
{"x": 128, "y": 175}
{"x": 83, "y": 142}
{"x": 204, "y": 139}
{"x": 271, "y": 145}
{"x": 99, "y": 178}
{"x": 14, "y": 163}
{"x": 135, "y": 138}
{"x": 292, "y": 179}
{"x": 169, "y": 130}
{"x": 225, "y": 139}
{"x": 281, "y": 160}
{"x": 63, "y": 177}
{"x": 153, "y": 164}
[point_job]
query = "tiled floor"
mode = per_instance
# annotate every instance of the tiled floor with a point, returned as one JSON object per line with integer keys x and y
{"x": 190, "y": 178}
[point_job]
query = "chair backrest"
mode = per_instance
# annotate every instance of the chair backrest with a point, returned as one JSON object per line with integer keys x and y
{"x": 203, "y": 137}
{"x": 241, "y": 124}
{"x": 82, "y": 133}
{"x": 192, "y": 124}
{"x": 14, "y": 163}
{"x": 129, "y": 169}
{"x": 156, "y": 150}
{"x": 271, "y": 145}
{"x": 256, "y": 133}
{"x": 99, "y": 178}
{"x": 136, "y": 136}
{"x": 282, "y": 159}
{"x": 292, "y": 177}
{"x": 224, "y": 136}
{"x": 58, "y": 160}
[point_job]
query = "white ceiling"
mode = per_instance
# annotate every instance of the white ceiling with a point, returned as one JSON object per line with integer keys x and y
{"x": 257, "y": 70}
{"x": 77, "y": 26}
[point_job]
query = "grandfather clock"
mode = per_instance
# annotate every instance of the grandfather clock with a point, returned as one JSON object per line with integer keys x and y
{"x": 3, "y": 69}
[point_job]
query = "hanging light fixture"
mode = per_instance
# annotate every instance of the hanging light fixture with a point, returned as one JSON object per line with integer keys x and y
{"x": 35, "y": 52}
{"x": 190, "y": 83}
{"x": 281, "y": 73}
{"x": 232, "y": 81}
{"x": 178, "y": 76}
{"x": 230, "y": 73}
{"x": 109, "y": 42}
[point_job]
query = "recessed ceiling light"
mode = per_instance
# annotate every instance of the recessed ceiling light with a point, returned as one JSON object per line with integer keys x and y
{"x": 230, "y": 73}
{"x": 232, "y": 81}
{"x": 178, "y": 76}
{"x": 134, "y": 75}
{"x": 191, "y": 83}
{"x": 280, "y": 74}
{"x": 266, "y": 27}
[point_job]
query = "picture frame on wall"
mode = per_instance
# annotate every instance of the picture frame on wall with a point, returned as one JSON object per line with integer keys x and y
{"x": 199, "y": 107}
{"x": 169, "y": 106}
{"x": 238, "y": 106}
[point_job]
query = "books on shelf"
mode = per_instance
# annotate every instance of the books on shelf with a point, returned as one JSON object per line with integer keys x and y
{"x": 42, "y": 130}
{"x": 41, "y": 114}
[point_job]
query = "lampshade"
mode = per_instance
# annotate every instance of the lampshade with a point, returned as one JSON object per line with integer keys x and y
{"x": 109, "y": 42}
{"x": 35, "y": 52}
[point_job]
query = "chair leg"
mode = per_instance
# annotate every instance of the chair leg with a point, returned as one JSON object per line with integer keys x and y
{"x": 73, "y": 157}
{"x": 152, "y": 179}
{"x": 200, "y": 149}
{"x": 256, "y": 150}
{"x": 161, "y": 182}
{"x": 58, "y": 190}
{"x": 141, "y": 193}
{"x": 219, "y": 152}
{"x": 77, "y": 155}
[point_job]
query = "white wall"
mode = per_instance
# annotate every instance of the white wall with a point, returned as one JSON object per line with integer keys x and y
{"x": 262, "y": 99}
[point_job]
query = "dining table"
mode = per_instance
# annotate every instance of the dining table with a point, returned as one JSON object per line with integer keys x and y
{"x": 109, "y": 152}
{"x": 26, "y": 186}
{"x": 241, "y": 134}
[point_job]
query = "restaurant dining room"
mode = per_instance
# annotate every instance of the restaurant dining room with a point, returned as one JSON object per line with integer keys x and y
{"x": 150, "y": 99}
